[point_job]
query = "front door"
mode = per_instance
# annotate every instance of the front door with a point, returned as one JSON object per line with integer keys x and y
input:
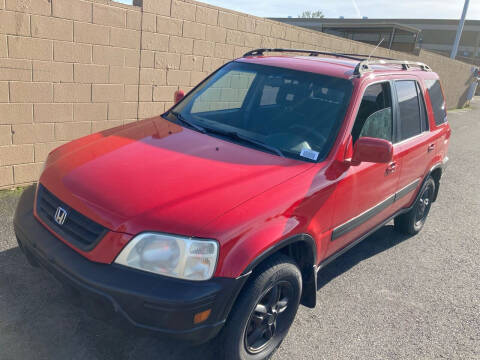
{"x": 365, "y": 196}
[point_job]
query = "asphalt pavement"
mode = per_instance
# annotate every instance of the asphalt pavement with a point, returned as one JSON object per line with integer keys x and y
{"x": 391, "y": 297}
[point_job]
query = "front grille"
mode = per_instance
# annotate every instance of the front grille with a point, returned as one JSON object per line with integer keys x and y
{"x": 77, "y": 229}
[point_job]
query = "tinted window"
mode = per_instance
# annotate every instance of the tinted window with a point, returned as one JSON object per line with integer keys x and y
{"x": 437, "y": 100}
{"x": 374, "y": 118}
{"x": 296, "y": 112}
{"x": 409, "y": 108}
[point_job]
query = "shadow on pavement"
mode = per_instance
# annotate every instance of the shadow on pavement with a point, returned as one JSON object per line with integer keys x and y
{"x": 38, "y": 321}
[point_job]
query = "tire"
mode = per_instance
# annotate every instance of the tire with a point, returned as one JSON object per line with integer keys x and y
{"x": 245, "y": 335}
{"x": 412, "y": 222}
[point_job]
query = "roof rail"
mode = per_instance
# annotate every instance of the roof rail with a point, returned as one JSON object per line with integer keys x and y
{"x": 364, "y": 66}
{"x": 259, "y": 52}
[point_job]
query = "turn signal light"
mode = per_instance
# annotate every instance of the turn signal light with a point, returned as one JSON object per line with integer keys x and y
{"x": 201, "y": 317}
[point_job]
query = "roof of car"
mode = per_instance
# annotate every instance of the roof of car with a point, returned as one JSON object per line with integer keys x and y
{"x": 328, "y": 65}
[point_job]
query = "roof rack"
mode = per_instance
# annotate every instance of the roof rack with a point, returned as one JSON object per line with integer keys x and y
{"x": 259, "y": 52}
{"x": 364, "y": 65}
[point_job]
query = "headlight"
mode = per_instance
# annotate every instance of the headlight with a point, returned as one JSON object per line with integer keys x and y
{"x": 171, "y": 255}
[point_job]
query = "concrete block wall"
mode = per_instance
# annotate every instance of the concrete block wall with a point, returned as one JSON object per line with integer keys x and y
{"x": 69, "y": 68}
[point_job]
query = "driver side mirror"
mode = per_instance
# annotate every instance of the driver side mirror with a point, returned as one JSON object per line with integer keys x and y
{"x": 372, "y": 150}
{"x": 178, "y": 96}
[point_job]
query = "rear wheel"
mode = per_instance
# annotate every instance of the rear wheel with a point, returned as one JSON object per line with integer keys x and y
{"x": 412, "y": 222}
{"x": 264, "y": 311}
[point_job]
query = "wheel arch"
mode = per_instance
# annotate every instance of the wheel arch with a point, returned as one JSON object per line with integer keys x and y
{"x": 302, "y": 249}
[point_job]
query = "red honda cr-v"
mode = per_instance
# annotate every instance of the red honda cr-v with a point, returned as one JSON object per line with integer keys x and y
{"x": 216, "y": 216}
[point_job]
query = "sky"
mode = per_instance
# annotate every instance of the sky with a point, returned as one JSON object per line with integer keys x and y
{"x": 436, "y": 9}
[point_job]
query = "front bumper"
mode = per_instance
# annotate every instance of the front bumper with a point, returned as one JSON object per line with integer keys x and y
{"x": 145, "y": 300}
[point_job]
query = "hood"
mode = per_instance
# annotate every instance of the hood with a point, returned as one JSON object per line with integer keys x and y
{"x": 155, "y": 175}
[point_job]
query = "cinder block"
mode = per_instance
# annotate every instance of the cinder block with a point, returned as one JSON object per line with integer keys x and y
{"x": 72, "y": 9}
{"x": 70, "y": 131}
{"x": 30, "y": 48}
{"x": 204, "y": 48}
{"x": 235, "y": 37}
{"x": 253, "y": 40}
{"x": 167, "y": 61}
{"x": 43, "y": 149}
{"x": 178, "y": 77}
{"x": 13, "y": 69}
{"x": 107, "y": 93}
{"x": 32, "y": 133}
{"x": 268, "y": 42}
{"x": 6, "y": 175}
{"x": 169, "y": 26}
{"x": 91, "y": 73}
{"x": 183, "y": 10}
{"x": 89, "y": 112}
{"x": 109, "y": 15}
{"x": 5, "y": 135}
{"x": 291, "y": 34}
{"x": 52, "y": 28}
{"x": 161, "y": 7}
{"x": 215, "y": 34}
{"x": 145, "y": 93}
{"x": 211, "y": 64}
{"x": 246, "y": 24}
{"x": 262, "y": 27}
{"x": 3, "y": 46}
{"x": 16, "y": 113}
{"x": 191, "y": 63}
{"x": 147, "y": 59}
{"x": 132, "y": 57}
{"x": 4, "y": 92}
{"x": 154, "y": 41}
{"x": 52, "y": 113}
{"x": 72, "y": 52}
{"x": 122, "y": 110}
{"x": 224, "y": 51}
{"x": 16, "y": 154}
{"x": 27, "y": 92}
{"x": 41, "y": 7}
{"x": 27, "y": 173}
{"x": 52, "y": 71}
{"x": 108, "y": 55}
{"x": 150, "y": 109}
{"x": 149, "y": 22}
{"x": 123, "y": 75}
{"x": 72, "y": 93}
{"x": 131, "y": 92}
{"x": 14, "y": 23}
{"x": 125, "y": 38}
{"x": 164, "y": 93}
{"x": 98, "y": 126}
{"x": 91, "y": 33}
{"x": 206, "y": 15}
{"x": 134, "y": 20}
{"x": 153, "y": 77}
{"x": 277, "y": 31}
{"x": 194, "y": 30}
{"x": 227, "y": 20}
{"x": 180, "y": 45}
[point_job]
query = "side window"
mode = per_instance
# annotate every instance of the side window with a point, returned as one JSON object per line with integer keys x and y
{"x": 438, "y": 101}
{"x": 374, "y": 118}
{"x": 227, "y": 93}
{"x": 409, "y": 108}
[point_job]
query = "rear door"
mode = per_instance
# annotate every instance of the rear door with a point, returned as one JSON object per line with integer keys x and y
{"x": 415, "y": 144}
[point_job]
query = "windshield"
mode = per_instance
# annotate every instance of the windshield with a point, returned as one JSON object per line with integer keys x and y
{"x": 290, "y": 113}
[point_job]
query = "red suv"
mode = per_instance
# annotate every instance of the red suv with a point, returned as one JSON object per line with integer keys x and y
{"x": 215, "y": 217}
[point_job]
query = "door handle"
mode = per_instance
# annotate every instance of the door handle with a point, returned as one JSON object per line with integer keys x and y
{"x": 431, "y": 147}
{"x": 392, "y": 167}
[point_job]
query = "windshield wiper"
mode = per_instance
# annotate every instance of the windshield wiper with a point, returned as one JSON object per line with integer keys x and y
{"x": 184, "y": 121}
{"x": 246, "y": 139}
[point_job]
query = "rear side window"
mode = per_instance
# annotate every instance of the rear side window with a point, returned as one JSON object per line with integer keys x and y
{"x": 410, "y": 108}
{"x": 438, "y": 101}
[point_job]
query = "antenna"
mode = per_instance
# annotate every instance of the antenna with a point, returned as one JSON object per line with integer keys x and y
{"x": 376, "y": 47}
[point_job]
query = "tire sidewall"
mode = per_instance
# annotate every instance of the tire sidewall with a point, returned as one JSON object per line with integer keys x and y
{"x": 418, "y": 226}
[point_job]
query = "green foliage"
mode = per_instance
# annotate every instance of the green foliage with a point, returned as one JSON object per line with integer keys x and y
{"x": 311, "y": 14}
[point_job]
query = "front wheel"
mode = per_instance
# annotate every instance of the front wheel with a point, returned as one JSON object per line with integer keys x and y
{"x": 264, "y": 311}
{"x": 412, "y": 222}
